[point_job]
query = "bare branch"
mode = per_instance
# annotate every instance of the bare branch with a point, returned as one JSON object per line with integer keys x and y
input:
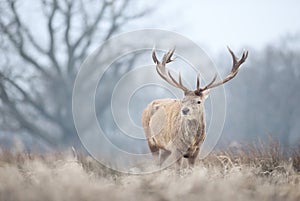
{"x": 22, "y": 119}
{"x": 136, "y": 15}
{"x": 33, "y": 41}
{"x": 88, "y": 32}
{"x": 51, "y": 32}
{"x": 28, "y": 99}
{"x": 68, "y": 18}
{"x": 84, "y": 14}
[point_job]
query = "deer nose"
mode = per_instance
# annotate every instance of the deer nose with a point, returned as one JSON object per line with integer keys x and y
{"x": 185, "y": 111}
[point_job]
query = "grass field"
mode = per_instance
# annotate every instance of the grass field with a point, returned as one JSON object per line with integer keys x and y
{"x": 253, "y": 172}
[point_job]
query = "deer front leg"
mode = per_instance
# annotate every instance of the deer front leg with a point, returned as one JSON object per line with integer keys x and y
{"x": 164, "y": 154}
{"x": 193, "y": 157}
{"x": 178, "y": 164}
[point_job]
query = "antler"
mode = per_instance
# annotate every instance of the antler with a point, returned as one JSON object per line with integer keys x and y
{"x": 165, "y": 74}
{"x": 235, "y": 68}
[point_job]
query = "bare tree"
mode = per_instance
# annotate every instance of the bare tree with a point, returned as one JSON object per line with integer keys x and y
{"x": 39, "y": 64}
{"x": 270, "y": 101}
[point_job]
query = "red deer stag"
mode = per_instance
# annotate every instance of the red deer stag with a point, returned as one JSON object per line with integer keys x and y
{"x": 177, "y": 126}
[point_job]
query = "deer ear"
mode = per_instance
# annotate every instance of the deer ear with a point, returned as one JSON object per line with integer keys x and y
{"x": 205, "y": 94}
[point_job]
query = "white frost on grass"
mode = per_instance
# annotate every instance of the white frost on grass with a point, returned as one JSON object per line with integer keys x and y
{"x": 64, "y": 178}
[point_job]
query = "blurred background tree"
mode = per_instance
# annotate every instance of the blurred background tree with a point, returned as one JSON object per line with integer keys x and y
{"x": 39, "y": 62}
{"x": 265, "y": 101}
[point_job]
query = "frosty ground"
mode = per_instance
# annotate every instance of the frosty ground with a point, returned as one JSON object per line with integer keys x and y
{"x": 249, "y": 174}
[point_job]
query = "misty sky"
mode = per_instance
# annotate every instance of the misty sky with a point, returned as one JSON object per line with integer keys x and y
{"x": 215, "y": 24}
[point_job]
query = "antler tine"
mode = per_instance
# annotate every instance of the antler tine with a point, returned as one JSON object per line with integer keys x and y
{"x": 165, "y": 74}
{"x": 244, "y": 57}
{"x": 167, "y": 57}
{"x": 198, "y": 82}
{"x": 210, "y": 84}
{"x": 179, "y": 85}
{"x": 156, "y": 61}
{"x": 236, "y": 63}
{"x": 179, "y": 78}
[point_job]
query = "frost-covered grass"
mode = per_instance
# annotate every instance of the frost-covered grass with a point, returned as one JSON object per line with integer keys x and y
{"x": 246, "y": 173}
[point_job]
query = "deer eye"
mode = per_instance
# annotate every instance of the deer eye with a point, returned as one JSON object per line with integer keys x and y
{"x": 198, "y": 102}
